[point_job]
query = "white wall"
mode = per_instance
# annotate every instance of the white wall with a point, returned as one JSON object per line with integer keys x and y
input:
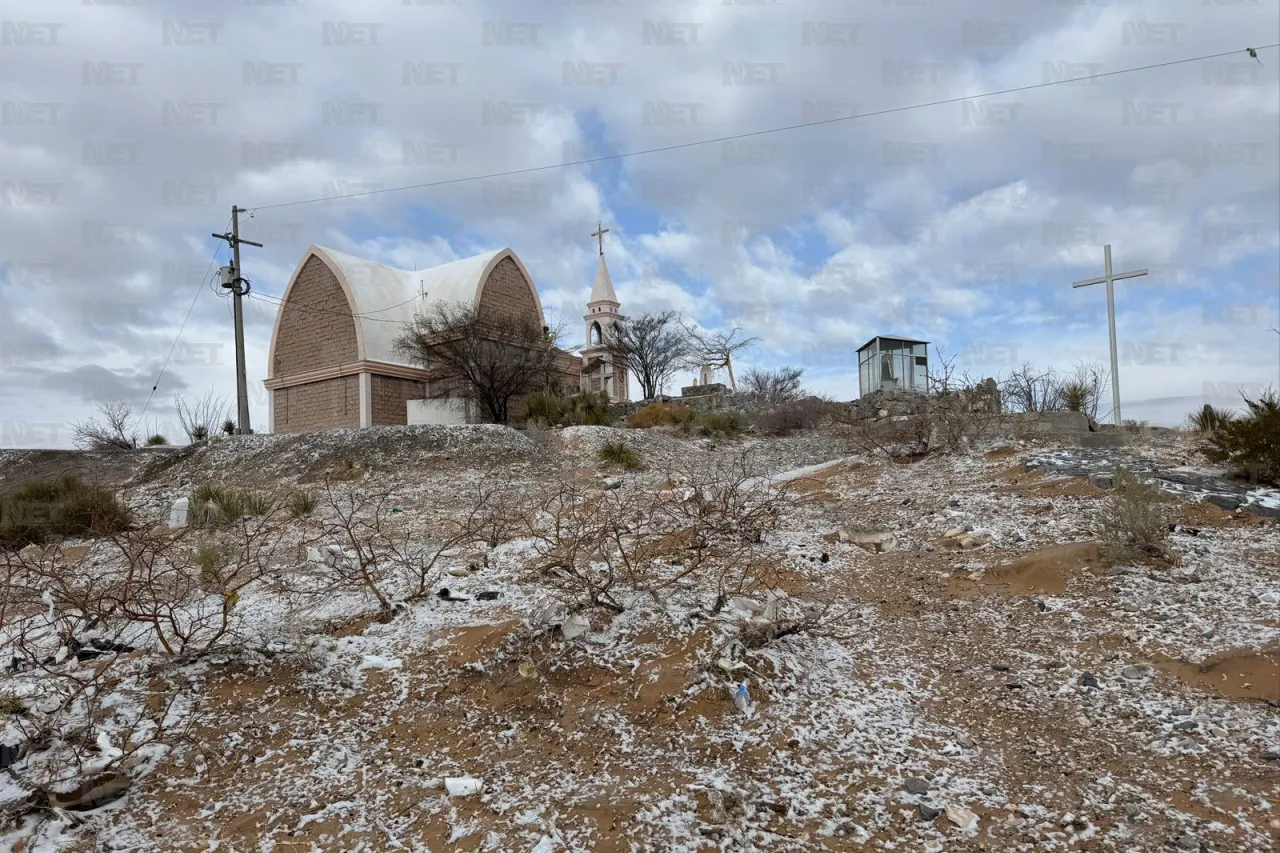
{"x": 437, "y": 412}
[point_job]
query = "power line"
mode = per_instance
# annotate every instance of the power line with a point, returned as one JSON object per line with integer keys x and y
{"x": 279, "y": 303}
{"x": 203, "y": 280}
{"x": 699, "y": 142}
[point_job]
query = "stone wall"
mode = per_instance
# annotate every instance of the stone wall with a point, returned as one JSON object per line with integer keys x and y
{"x": 389, "y": 396}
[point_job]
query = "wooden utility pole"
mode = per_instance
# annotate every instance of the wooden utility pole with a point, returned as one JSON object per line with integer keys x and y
{"x": 239, "y": 287}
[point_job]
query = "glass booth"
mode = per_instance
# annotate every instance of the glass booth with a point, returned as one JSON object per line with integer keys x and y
{"x": 893, "y": 364}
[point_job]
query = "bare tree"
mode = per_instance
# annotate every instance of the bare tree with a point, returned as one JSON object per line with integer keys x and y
{"x": 779, "y": 385}
{"x": 651, "y": 347}
{"x": 118, "y": 429}
{"x": 716, "y": 349}
{"x": 488, "y": 360}
{"x": 200, "y": 419}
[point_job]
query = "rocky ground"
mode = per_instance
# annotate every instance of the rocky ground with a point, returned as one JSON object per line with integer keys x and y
{"x": 980, "y": 675}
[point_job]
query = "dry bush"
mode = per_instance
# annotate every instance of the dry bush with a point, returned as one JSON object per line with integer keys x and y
{"x": 118, "y": 429}
{"x": 662, "y": 414}
{"x": 706, "y": 536}
{"x": 791, "y": 416}
{"x": 902, "y": 437}
{"x": 64, "y": 507}
{"x": 1135, "y": 523}
{"x": 711, "y": 424}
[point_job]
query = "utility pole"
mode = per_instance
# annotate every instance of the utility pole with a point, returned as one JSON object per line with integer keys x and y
{"x": 239, "y": 287}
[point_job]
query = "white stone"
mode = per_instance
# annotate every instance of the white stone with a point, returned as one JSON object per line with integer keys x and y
{"x": 178, "y": 513}
{"x": 575, "y": 626}
{"x": 1270, "y": 598}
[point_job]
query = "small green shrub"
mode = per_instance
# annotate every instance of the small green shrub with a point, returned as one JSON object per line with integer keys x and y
{"x": 545, "y": 409}
{"x": 586, "y": 409}
{"x": 1074, "y": 395}
{"x": 619, "y": 453}
{"x": 211, "y": 557}
{"x": 214, "y": 506}
{"x": 64, "y": 507}
{"x": 301, "y": 504}
{"x": 12, "y": 704}
{"x": 591, "y": 409}
{"x": 157, "y": 440}
{"x": 1135, "y": 525}
{"x": 726, "y": 424}
{"x": 1251, "y": 443}
{"x": 228, "y": 427}
{"x": 1210, "y": 419}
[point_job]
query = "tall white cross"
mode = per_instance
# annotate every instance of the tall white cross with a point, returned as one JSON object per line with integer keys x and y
{"x": 1110, "y": 279}
{"x": 599, "y": 235}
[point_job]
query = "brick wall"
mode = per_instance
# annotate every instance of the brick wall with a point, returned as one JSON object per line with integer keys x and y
{"x": 328, "y": 404}
{"x": 506, "y": 291}
{"x": 389, "y": 395}
{"x": 316, "y": 327}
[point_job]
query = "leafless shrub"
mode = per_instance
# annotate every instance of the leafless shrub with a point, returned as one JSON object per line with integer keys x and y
{"x": 791, "y": 416}
{"x": 1030, "y": 390}
{"x": 1135, "y": 525}
{"x": 199, "y": 420}
{"x": 772, "y": 386}
{"x": 117, "y": 430}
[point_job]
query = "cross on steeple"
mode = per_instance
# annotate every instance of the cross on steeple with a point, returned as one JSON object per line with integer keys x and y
{"x": 599, "y": 235}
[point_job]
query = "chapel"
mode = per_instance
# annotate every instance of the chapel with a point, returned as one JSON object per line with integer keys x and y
{"x": 333, "y": 361}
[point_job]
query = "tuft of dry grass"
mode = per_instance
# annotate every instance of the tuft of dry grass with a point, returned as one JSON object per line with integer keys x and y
{"x": 1135, "y": 523}
{"x": 619, "y": 453}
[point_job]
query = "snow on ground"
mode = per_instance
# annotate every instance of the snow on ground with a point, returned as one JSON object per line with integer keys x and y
{"x": 987, "y": 695}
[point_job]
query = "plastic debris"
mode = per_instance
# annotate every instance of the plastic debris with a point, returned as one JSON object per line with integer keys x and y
{"x": 742, "y": 698}
{"x": 575, "y": 626}
{"x": 178, "y": 513}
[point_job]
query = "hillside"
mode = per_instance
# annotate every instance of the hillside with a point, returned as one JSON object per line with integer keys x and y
{"x": 478, "y": 639}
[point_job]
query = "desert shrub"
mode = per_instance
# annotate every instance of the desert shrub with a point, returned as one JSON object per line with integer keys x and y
{"x": 1073, "y": 396}
{"x": 214, "y": 506}
{"x": 545, "y": 409}
{"x": 157, "y": 440}
{"x": 228, "y": 427}
{"x": 301, "y": 504}
{"x": 619, "y": 453}
{"x": 591, "y": 409}
{"x": 779, "y": 385}
{"x": 1135, "y": 523}
{"x": 726, "y": 424}
{"x": 1251, "y": 443}
{"x": 11, "y": 703}
{"x": 790, "y": 416}
{"x": 1210, "y": 418}
{"x": 662, "y": 414}
{"x": 1130, "y": 425}
{"x": 64, "y": 507}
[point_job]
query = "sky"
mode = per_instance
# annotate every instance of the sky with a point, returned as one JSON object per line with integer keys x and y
{"x": 130, "y": 128}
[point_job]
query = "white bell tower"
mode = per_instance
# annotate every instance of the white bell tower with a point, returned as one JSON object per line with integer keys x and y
{"x": 602, "y": 314}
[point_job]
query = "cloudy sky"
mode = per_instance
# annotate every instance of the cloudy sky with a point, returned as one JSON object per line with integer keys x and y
{"x": 130, "y": 128}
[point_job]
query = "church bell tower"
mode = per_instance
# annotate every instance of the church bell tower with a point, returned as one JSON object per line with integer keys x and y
{"x": 599, "y": 373}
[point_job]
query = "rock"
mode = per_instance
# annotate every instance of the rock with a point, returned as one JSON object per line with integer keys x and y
{"x": 962, "y": 817}
{"x": 1133, "y": 810}
{"x": 178, "y": 513}
{"x": 31, "y": 552}
{"x": 1135, "y": 673}
{"x": 611, "y": 483}
{"x": 912, "y": 785}
{"x": 1187, "y": 842}
{"x": 1087, "y": 680}
{"x": 459, "y": 572}
{"x": 1270, "y": 598}
{"x": 1000, "y": 667}
{"x": 928, "y": 813}
{"x": 1270, "y": 755}
{"x": 877, "y": 541}
{"x": 1102, "y": 481}
{"x": 96, "y": 790}
{"x": 825, "y": 557}
{"x": 1227, "y": 502}
{"x": 965, "y": 742}
{"x": 489, "y": 595}
{"x": 1186, "y": 726}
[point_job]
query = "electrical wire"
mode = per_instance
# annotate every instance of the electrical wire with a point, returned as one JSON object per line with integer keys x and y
{"x": 783, "y": 129}
{"x": 365, "y": 316}
{"x": 203, "y": 281}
